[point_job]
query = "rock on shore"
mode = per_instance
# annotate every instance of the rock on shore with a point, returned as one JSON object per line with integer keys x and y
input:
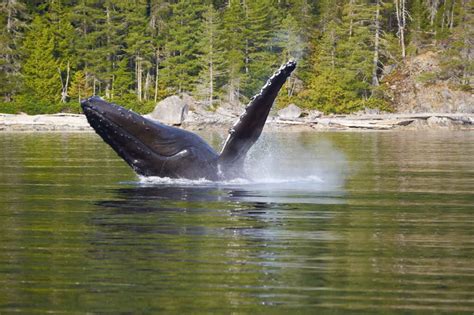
{"x": 290, "y": 112}
{"x": 172, "y": 110}
{"x": 202, "y": 119}
{"x": 414, "y": 88}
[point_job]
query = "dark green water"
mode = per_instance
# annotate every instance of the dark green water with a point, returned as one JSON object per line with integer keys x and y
{"x": 331, "y": 223}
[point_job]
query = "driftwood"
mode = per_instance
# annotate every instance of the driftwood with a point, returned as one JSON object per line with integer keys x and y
{"x": 387, "y": 121}
{"x": 73, "y": 122}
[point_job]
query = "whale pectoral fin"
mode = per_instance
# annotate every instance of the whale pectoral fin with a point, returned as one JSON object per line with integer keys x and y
{"x": 245, "y": 132}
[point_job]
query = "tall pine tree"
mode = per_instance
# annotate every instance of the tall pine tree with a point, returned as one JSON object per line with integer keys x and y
{"x": 13, "y": 18}
{"x": 211, "y": 55}
{"x": 233, "y": 44}
{"x": 40, "y": 69}
{"x": 182, "y": 65}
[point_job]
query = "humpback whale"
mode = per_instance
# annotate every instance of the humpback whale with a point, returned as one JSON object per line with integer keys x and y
{"x": 154, "y": 149}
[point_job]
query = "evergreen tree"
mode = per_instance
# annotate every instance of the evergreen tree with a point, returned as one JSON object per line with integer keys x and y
{"x": 262, "y": 46}
{"x": 160, "y": 11}
{"x": 123, "y": 79}
{"x": 41, "y": 69}
{"x": 136, "y": 51}
{"x": 183, "y": 65}
{"x": 211, "y": 55}
{"x": 139, "y": 45}
{"x": 233, "y": 45}
{"x": 355, "y": 46}
{"x": 101, "y": 45}
{"x": 326, "y": 85}
{"x": 12, "y": 19}
{"x": 86, "y": 17}
{"x": 80, "y": 88}
{"x": 457, "y": 64}
{"x": 347, "y": 57}
{"x": 64, "y": 39}
{"x": 419, "y": 25}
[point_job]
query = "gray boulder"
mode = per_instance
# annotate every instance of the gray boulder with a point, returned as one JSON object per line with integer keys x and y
{"x": 172, "y": 110}
{"x": 290, "y": 112}
{"x": 313, "y": 115}
{"x": 233, "y": 110}
{"x": 434, "y": 121}
{"x": 189, "y": 100}
{"x": 226, "y": 111}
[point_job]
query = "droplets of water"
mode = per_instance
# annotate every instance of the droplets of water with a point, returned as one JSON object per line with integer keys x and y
{"x": 273, "y": 164}
{"x": 277, "y": 159}
{"x": 156, "y": 180}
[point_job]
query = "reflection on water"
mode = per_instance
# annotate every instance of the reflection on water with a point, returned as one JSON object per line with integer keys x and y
{"x": 339, "y": 222}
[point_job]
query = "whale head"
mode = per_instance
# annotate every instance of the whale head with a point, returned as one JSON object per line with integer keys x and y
{"x": 150, "y": 147}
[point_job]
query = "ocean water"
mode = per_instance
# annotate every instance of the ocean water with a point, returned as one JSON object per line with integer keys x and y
{"x": 376, "y": 222}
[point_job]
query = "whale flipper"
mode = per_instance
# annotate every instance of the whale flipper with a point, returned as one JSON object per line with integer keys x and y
{"x": 155, "y": 149}
{"x": 246, "y": 131}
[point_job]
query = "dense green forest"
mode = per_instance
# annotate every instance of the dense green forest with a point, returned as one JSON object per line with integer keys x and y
{"x": 53, "y": 53}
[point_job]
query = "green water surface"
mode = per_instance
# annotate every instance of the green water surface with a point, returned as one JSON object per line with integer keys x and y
{"x": 329, "y": 223}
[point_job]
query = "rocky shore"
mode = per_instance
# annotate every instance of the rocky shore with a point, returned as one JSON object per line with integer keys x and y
{"x": 224, "y": 119}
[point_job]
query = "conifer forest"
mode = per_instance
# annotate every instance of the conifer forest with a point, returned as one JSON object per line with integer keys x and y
{"x": 135, "y": 53}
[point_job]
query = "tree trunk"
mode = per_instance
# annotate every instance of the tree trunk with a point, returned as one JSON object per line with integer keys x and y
{"x": 333, "y": 49}
{"x": 400, "y": 11}
{"x": 211, "y": 83}
{"x": 107, "y": 90}
{"x": 432, "y": 12}
{"x": 404, "y": 15}
{"x": 138, "y": 76}
{"x": 155, "y": 98}
{"x": 109, "y": 57}
{"x": 112, "y": 87}
{"x": 211, "y": 61}
{"x": 467, "y": 41}
{"x": 451, "y": 19}
{"x": 64, "y": 84}
{"x": 147, "y": 85}
{"x": 351, "y": 15}
{"x": 231, "y": 91}
{"x": 9, "y": 18}
{"x": 375, "y": 79}
{"x": 247, "y": 59}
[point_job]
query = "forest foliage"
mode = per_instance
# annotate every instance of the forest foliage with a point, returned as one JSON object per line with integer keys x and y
{"x": 135, "y": 53}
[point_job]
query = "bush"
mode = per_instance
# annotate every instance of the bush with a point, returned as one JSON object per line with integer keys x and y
{"x": 130, "y": 101}
{"x": 8, "y": 108}
{"x": 73, "y": 107}
{"x": 31, "y": 106}
{"x": 427, "y": 78}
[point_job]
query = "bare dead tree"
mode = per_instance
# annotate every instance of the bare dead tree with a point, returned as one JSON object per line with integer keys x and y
{"x": 401, "y": 13}
{"x": 138, "y": 76}
{"x": 375, "y": 79}
{"x": 64, "y": 83}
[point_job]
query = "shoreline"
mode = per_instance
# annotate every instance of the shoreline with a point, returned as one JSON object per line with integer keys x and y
{"x": 359, "y": 123}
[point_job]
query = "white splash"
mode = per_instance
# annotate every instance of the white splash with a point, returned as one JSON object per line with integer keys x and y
{"x": 279, "y": 159}
{"x": 279, "y": 163}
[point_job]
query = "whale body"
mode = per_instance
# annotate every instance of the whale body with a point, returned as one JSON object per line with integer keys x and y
{"x": 155, "y": 149}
